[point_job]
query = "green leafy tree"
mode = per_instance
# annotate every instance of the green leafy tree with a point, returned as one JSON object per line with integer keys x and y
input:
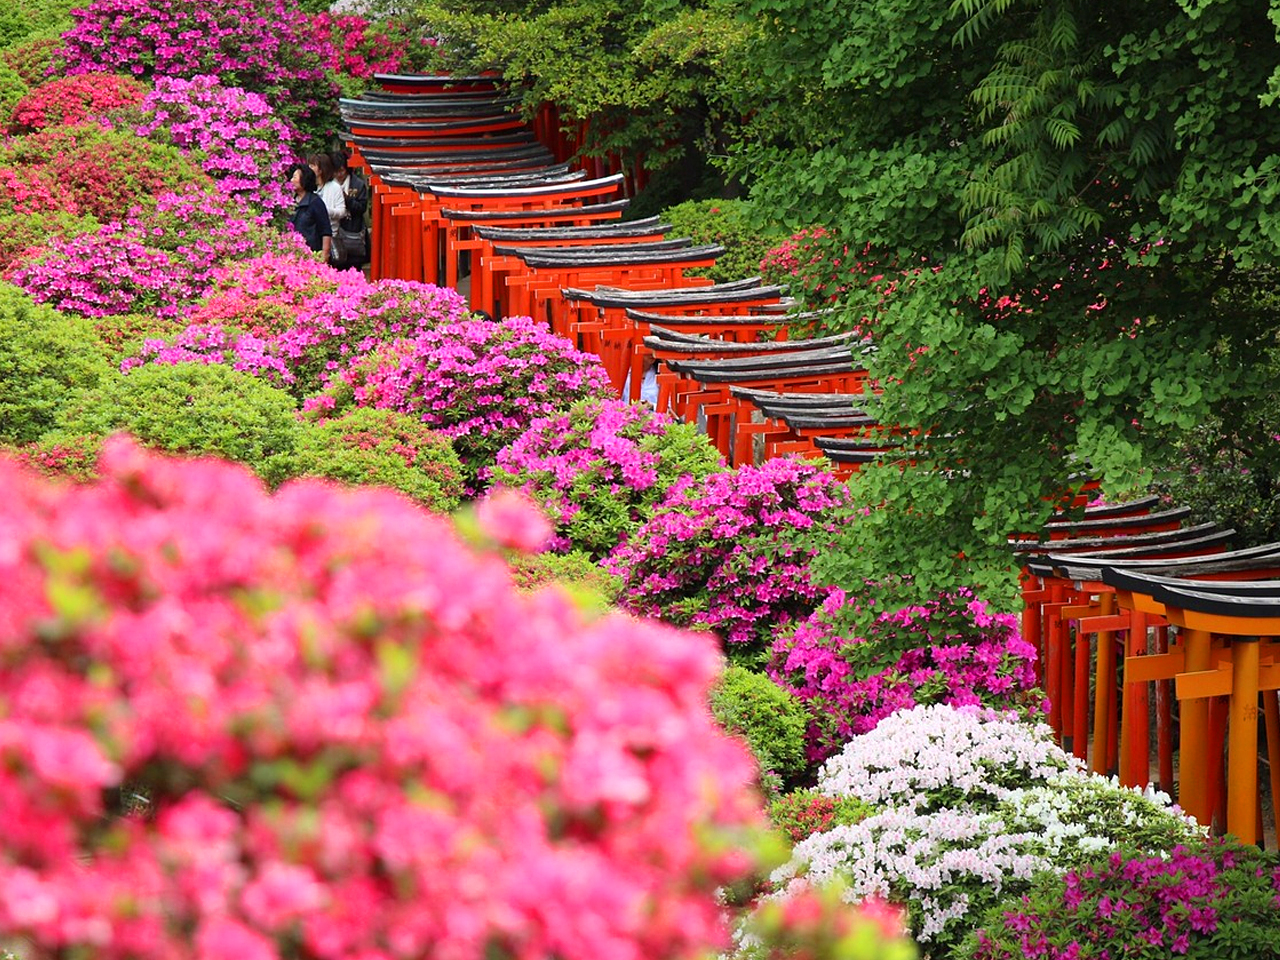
{"x": 1072, "y": 206}
{"x": 662, "y": 82}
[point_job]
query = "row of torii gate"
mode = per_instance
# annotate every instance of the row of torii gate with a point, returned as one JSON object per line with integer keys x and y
{"x": 1133, "y": 609}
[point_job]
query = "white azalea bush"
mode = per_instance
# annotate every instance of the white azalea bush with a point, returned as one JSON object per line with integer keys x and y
{"x": 973, "y": 805}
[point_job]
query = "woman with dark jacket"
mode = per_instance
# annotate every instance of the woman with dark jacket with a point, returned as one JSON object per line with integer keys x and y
{"x": 310, "y": 217}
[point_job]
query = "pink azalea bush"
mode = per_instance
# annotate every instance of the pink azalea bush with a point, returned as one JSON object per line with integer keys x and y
{"x": 723, "y": 553}
{"x": 265, "y": 294}
{"x": 210, "y": 343}
{"x": 335, "y": 327}
{"x": 854, "y": 663}
{"x": 337, "y": 317}
{"x": 263, "y": 46}
{"x": 75, "y": 100}
{"x": 479, "y": 381}
{"x": 355, "y": 737}
{"x": 599, "y": 468}
{"x": 243, "y": 146}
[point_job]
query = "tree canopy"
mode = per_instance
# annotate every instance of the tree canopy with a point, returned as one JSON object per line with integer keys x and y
{"x": 1057, "y": 219}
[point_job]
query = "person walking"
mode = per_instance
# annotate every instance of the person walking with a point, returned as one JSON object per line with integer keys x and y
{"x": 310, "y": 217}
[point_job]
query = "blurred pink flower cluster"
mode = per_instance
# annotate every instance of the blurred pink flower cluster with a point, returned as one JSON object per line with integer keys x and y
{"x": 355, "y": 738}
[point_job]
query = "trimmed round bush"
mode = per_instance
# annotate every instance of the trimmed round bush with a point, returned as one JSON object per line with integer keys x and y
{"x": 481, "y": 382}
{"x": 74, "y": 100}
{"x": 769, "y": 718}
{"x": 354, "y": 736}
{"x": 382, "y": 448}
{"x": 190, "y": 408}
{"x": 728, "y": 223}
{"x": 599, "y": 468}
{"x": 858, "y": 659}
{"x": 575, "y": 570}
{"x": 731, "y": 552}
{"x": 45, "y": 358}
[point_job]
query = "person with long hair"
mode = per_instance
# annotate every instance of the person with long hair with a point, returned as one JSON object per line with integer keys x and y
{"x": 330, "y": 192}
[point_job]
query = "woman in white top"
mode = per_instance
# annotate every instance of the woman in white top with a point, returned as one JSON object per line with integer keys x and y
{"x": 330, "y": 191}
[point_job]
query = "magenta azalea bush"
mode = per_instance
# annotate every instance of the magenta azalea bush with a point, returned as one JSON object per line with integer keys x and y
{"x": 855, "y": 664}
{"x": 104, "y": 273}
{"x": 479, "y": 381}
{"x": 1206, "y": 901}
{"x": 337, "y": 326}
{"x": 723, "y": 553}
{"x": 243, "y": 146}
{"x": 160, "y": 259}
{"x": 318, "y": 724}
{"x": 263, "y": 46}
{"x": 599, "y": 468}
{"x": 210, "y": 343}
{"x": 75, "y": 100}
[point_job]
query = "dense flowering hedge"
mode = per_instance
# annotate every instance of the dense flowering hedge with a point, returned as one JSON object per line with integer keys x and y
{"x": 354, "y": 736}
{"x": 265, "y": 294}
{"x": 721, "y": 553}
{"x": 263, "y": 46}
{"x": 300, "y": 338}
{"x": 104, "y": 273}
{"x": 1205, "y": 900}
{"x": 599, "y": 468}
{"x": 244, "y": 147}
{"x": 75, "y": 100}
{"x": 852, "y": 675}
{"x": 100, "y": 172}
{"x": 481, "y": 382}
{"x": 973, "y": 806}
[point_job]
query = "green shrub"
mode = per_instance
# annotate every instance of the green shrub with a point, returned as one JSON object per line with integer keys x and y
{"x": 27, "y": 18}
{"x": 589, "y": 584}
{"x": 381, "y": 447}
{"x": 190, "y": 408}
{"x": 37, "y": 57}
{"x": 772, "y": 721}
{"x": 725, "y": 222}
{"x": 44, "y": 357}
{"x": 12, "y": 89}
